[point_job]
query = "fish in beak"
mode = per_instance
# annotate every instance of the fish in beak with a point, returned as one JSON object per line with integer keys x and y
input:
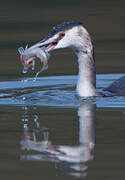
{"x": 40, "y": 50}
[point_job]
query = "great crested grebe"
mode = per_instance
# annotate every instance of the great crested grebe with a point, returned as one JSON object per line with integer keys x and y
{"x": 74, "y": 35}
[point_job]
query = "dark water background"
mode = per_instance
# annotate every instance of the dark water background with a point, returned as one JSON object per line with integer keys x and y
{"x": 55, "y": 127}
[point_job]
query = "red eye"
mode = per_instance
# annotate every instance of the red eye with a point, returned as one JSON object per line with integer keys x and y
{"x": 62, "y": 34}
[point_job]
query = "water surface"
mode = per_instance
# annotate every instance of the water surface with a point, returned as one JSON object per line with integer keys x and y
{"x": 45, "y": 126}
{"x": 46, "y": 132}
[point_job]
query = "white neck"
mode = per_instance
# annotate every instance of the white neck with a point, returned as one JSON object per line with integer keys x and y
{"x": 86, "y": 85}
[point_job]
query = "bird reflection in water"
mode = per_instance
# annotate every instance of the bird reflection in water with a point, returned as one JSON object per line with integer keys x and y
{"x": 69, "y": 160}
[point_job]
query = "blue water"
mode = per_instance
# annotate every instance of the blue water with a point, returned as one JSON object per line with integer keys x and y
{"x": 54, "y": 91}
{"x": 46, "y": 130}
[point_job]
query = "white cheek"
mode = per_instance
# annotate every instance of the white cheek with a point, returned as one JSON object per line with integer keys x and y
{"x": 61, "y": 44}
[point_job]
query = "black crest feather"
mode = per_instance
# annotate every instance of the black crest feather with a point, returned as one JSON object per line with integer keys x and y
{"x": 62, "y": 27}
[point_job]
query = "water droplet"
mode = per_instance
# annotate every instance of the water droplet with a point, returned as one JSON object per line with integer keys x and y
{"x": 25, "y": 126}
{"x": 33, "y": 65}
{"x": 25, "y": 70}
{"x": 24, "y": 80}
{"x": 34, "y": 79}
{"x": 24, "y": 98}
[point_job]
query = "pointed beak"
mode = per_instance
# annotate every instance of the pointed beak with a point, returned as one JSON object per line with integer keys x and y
{"x": 48, "y": 44}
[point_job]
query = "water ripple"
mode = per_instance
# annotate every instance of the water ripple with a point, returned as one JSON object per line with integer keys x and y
{"x": 58, "y": 91}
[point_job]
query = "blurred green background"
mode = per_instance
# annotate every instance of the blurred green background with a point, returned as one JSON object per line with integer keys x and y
{"x": 23, "y": 22}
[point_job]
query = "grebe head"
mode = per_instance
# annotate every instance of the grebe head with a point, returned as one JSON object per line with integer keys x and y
{"x": 67, "y": 35}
